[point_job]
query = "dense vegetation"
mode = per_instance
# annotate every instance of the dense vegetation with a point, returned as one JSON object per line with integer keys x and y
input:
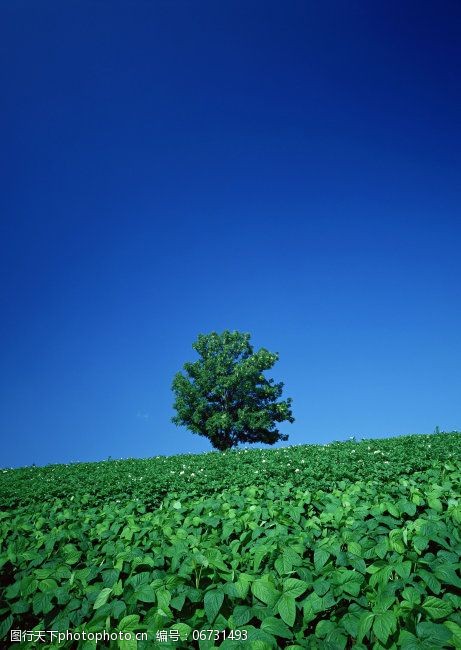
{"x": 225, "y": 396}
{"x": 337, "y": 546}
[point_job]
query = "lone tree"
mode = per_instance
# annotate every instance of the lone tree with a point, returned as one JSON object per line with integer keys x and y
{"x": 225, "y": 397}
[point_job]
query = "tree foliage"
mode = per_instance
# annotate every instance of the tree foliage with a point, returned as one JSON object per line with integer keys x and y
{"x": 225, "y": 396}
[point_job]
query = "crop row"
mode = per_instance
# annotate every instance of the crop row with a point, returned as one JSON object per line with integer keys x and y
{"x": 365, "y": 563}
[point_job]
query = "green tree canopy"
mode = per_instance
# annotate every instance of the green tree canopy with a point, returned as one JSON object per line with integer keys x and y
{"x": 224, "y": 395}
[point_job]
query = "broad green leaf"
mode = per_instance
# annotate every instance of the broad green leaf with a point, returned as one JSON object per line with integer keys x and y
{"x": 321, "y": 586}
{"x": 384, "y": 625}
{"x": 71, "y": 554}
{"x": 178, "y": 602}
{"x": 383, "y": 602}
{"x": 13, "y": 590}
{"x": 447, "y": 574}
{"x": 320, "y": 558}
{"x": 433, "y": 633}
{"x": 403, "y": 569}
{"x": 354, "y": 547}
{"x": 145, "y": 593}
{"x": 323, "y": 628}
{"x": 19, "y": 607}
{"x": 127, "y": 644}
{"x": 437, "y": 608}
{"x": 41, "y": 603}
{"x": 291, "y": 557}
{"x": 129, "y": 623}
{"x": 455, "y": 629}
{"x": 260, "y": 554}
{"x": 102, "y": 597}
{"x": 241, "y": 614}
{"x": 335, "y": 640}
{"x": 264, "y": 591}
{"x": 163, "y": 598}
{"x": 430, "y": 580}
{"x": 391, "y": 508}
{"x": 286, "y": 607}
{"x": 350, "y": 622}
{"x": 435, "y": 504}
{"x": 294, "y": 587}
{"x": 382, "y": 547}
{"x": 139, "y": 579}
{"x": 365, "y": 623}
{"x": 118, "y": 607}
{"x": 276, "y": 627}
{"x": 89, "y": 644}
{"x": 408, "y": 641}
{"x": 5, "y": 626}
{"x": 183, "y": 629}
{"x": 213, "y": 601}
{"x": 381, "y": 577}
{"x": 48, "y": 585}
{"x": 420, "y": 542}
{"x": 412, "y": 595}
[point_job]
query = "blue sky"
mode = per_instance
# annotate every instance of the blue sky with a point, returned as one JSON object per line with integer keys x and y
{"x": 289, "y": 169}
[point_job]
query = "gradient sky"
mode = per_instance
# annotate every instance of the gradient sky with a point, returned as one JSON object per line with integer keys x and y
{"x": 169, "y": 168}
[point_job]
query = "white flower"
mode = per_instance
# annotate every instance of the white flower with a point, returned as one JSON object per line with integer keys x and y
{"x": 181, "y": 472}
{"x": 297, "y": 469}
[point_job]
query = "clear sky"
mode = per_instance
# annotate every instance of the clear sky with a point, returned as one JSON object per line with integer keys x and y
{"x": 169, "y": 168}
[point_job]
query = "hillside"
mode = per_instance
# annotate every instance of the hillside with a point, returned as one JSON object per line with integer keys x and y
{"x": 353, "y": 544}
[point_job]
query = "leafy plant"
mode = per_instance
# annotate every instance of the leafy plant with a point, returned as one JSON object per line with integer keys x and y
{"x": 359, "y": 548}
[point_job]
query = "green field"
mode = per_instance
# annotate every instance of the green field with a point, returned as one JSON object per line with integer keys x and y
{"x": 347, "y": 545}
